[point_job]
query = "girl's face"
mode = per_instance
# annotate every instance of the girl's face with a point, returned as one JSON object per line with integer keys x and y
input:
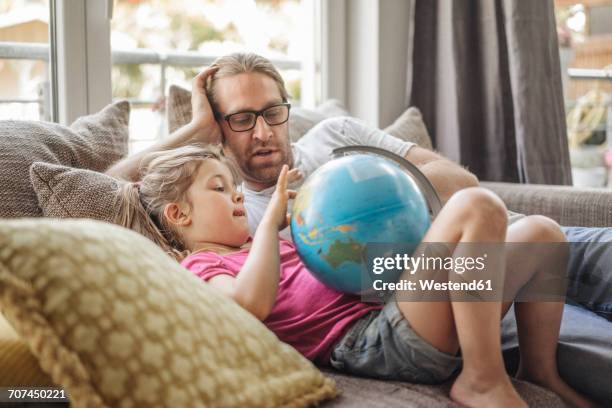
{"x": 216, "y": 210}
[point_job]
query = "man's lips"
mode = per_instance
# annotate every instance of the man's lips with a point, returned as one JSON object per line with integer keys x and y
{"x": 264, "y": 152}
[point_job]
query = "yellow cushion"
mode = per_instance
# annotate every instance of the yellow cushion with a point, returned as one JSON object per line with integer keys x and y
{"x": 18, "y": 366}
{"x": 117, "y": 322}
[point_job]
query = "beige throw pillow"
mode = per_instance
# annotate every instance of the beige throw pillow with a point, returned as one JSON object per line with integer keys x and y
{"x": 116, "y": 322}
{"x": 66, "y": 192}
{"x": 409, "y": 126}
{"x": 93, "y": 142}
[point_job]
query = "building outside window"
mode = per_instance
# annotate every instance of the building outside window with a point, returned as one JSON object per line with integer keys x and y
{"x": 24, "y": 78}
{"x": 585, "y": 47}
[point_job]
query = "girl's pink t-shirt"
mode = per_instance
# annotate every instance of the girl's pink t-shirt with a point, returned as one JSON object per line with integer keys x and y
{"x": 308, "y": 315}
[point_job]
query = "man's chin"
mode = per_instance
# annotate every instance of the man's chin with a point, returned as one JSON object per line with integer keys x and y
{"x": 265, "y": 175}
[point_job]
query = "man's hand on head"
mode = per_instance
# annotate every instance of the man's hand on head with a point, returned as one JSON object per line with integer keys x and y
{"x": 203, "y": 123}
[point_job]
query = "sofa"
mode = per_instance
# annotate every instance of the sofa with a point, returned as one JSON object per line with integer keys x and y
{"x": 55, "y": 172}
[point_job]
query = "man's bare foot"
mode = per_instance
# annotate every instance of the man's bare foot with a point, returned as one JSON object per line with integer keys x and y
{"x": 556, "y": 384}
{"x": 471, "y": 391}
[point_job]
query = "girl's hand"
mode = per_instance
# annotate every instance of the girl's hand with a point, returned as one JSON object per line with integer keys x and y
{"x": 203, "y": 118}
{"x": 276, "y": 213}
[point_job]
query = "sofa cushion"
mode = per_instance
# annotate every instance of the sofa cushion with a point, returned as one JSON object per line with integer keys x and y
{"x": 116, "y": 322}
{"x": 92, "y": 142}
{"x": 371, "y": 393}
{"x": 300, "y": 119}
{"x": 409, "y": 126}
{"x": 18, "y": 367}
{"x": 67, "y": 192}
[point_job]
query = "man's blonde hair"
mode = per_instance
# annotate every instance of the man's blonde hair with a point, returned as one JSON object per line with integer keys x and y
{"x": 240, "y": 63}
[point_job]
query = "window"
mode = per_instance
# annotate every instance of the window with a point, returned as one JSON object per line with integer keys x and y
{"x": 585, "y": 46}
{"x": 25, "y": 91}
{"x": 161, "y": 42}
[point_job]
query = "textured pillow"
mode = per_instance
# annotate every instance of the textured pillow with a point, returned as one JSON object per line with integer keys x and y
{"x": 410, "y": 127}
{"x": 178, "y": 107}
{"x": 300, "y": 119}
{"x": 66, "y": 192}
{"x": 93, "y": 142}
{"x": 116, "y": 322}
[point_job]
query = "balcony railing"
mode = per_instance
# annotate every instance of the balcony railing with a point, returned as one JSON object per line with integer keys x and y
{"x": 40, "y": 52}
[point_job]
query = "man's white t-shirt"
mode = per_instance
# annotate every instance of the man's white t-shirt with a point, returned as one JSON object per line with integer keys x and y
{"x": 313, "y": 150}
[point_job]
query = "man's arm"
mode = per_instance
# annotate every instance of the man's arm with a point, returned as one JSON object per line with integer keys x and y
{"x": 128, "y": 168}
{"x": 202, "y": 129}
{"x": 446, "y": 176}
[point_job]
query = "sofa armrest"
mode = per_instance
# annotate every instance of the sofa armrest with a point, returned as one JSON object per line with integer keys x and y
{"x": 570, "y": 206}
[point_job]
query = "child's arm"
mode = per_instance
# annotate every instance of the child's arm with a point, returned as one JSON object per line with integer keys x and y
{"x": 256, "y": 285}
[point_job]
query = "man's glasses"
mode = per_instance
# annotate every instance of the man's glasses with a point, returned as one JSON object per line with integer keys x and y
{"x": 246, "y": 120}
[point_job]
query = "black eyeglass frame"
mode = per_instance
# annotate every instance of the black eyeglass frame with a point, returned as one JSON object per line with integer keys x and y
{"x": 258, "y": 114}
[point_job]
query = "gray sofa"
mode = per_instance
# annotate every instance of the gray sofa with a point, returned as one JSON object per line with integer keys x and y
{"x": 94, "y": 142}
{"x": 569, "y": 206}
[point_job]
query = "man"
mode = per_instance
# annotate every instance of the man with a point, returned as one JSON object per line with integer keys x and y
{"x": 241, "y": 101}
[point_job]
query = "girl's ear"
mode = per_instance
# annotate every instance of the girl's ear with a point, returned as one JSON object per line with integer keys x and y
{"x": 177, "y": 215}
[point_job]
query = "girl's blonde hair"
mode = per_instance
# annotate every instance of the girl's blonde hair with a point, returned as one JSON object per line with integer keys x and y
{"x": 165, "y": 178}
{"x": 240, "y": 63}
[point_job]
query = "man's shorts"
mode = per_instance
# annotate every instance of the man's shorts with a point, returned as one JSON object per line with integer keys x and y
{"x": 382, "y": 344}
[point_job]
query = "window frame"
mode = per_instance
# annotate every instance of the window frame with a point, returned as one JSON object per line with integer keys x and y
{"x": 81, "y": 57}
{"x": 81, "y": 62}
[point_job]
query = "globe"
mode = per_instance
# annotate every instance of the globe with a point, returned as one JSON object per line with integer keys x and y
{"x": 352, "y": 203}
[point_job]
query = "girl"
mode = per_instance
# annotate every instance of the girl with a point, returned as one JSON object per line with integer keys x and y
{"x": 188, "y": 203}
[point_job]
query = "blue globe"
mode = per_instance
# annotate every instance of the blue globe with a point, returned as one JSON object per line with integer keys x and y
{"x": 348, "y": 203}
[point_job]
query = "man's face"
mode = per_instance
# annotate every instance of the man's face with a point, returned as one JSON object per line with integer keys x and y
{"x": 260, "y": 152}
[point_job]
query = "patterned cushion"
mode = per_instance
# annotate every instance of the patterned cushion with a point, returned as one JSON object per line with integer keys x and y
{"x": 66, "y": 192}
{"x": 300, "y": 119}
{"x": 92, "y": 142}
{"x": 178, "y": 107}
{"x": 117, "y": 322}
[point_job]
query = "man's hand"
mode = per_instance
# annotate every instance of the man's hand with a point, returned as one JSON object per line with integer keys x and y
{"x": 203, "y": 121}
{"x": 276, "y": 213}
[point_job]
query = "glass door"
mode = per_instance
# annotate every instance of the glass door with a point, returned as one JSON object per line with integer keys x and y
{"x": 25, "y": 86}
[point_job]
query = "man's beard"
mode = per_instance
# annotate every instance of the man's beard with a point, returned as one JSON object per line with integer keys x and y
{"x": 266, "y": 173}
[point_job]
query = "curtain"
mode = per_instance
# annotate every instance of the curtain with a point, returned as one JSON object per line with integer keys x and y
{"x": 486, "y": 76}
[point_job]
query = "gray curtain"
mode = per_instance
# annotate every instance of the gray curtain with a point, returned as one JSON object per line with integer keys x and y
{"x": 486, "y": 76}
